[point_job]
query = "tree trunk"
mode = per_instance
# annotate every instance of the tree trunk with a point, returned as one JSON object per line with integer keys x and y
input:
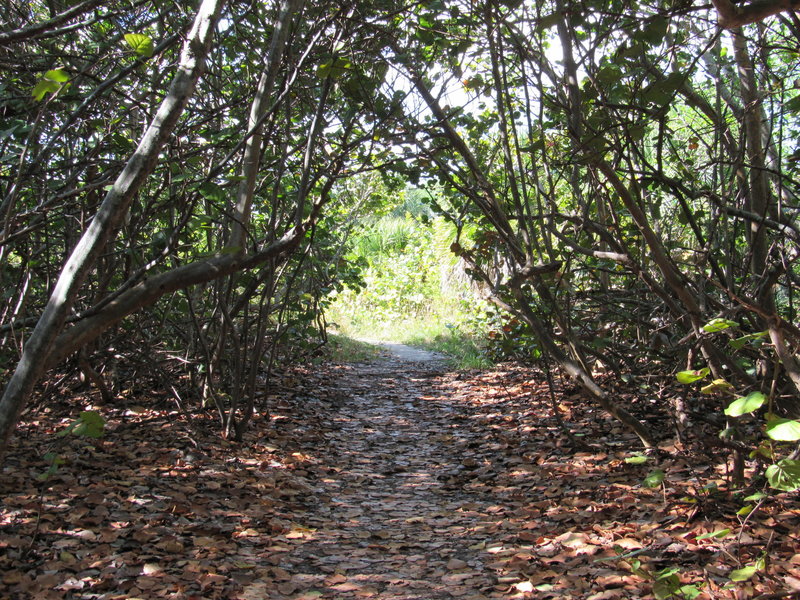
{"x": 252, "y": 152}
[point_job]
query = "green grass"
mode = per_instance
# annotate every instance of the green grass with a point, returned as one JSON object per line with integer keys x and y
{"x": 430, "y": 333}
{"x": 463, "y": 349}
{"x": 344, "y": 349}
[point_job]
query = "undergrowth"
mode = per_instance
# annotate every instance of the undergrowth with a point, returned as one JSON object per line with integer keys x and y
{"x": 345, "y": 349}
{"x": 412, "y": 288}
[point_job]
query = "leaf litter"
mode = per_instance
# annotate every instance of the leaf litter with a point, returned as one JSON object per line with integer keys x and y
{"x": 386, "y": 480}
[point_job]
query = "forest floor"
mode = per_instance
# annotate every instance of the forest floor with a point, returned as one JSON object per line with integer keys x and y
{"x": 392, "y": 480}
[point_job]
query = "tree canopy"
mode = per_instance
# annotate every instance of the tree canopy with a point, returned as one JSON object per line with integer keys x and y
{"x": 178, "y": 181}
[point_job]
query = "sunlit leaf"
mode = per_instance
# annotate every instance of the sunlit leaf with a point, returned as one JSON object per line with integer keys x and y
{"x": 755, "y": 497}
{"x": 716, "y": 325}
{"x": 334, "y": 68}
{"x": 783, "y": 430}
{"x": 90, "y": 424}
{"x": 743, "y": 574}
{"x": 667, "y": 573}
{"x": 746, "y": 404}
{"x": 689, "y": 591}
{"x": 639, "y": 459}
{"x": 57, "y": 75}
{"x": 718, "y": 385}
{"x": 739, "y": 343}
{"x": 785, "y": 475}
{"x": 43, "y": 88}
{"x": 140, "y": 43}
{"x": 692, "y": 376}
{"x": 654, "y": 479}
{"x": 719, "y": 533}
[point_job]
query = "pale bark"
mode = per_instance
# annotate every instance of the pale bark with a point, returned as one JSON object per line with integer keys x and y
{"x": 731, "y": 16}
{"x": 261, "y": 102}
{"x": 107, "y": 220}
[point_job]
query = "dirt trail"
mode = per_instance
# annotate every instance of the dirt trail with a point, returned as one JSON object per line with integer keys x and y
{"x": 393, "y": 480}
{"x": 389, "y": 526}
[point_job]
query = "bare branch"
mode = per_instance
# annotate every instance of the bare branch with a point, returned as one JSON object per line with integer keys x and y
{"x": 732, "y": 16}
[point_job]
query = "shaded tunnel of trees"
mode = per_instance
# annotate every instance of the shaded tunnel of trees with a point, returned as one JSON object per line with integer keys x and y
{"x": 177, "y": 184}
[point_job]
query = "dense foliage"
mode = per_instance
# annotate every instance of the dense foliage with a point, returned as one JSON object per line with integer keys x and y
{"x": 411, "y": 288}
{"x": 178, "y": 189}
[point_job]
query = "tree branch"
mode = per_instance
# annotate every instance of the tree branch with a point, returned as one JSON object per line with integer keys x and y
{"x": 731, "y": 16}
{"x": 24, "y": 33}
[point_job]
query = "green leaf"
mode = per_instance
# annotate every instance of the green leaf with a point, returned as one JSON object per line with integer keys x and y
{"x": 718, "y": 385}
{"x": 211, "y": 191}
{"x": 793, "y": 105}
{"x": 689, "y": 591}
{"x": 740, "y": 342}
{"x": 710, "y": 488}
{"x": 743, "y": 574}
{"x": 746, "y": 404}
{"x": 52, "y": 469}
{"x": 57, "y": 75}
{"x": 334, "y": 68}
{"x": 719, "y": 533}
{"x": 745, "y": 510}
{"x": 783, "y": 430}
{"x": 755, "y": 497}
{"x": 761, "y": 562}
{"x": 764, "y": 449}
{"x": 43, "y": 88}
{"x": 89, "y": 423}
{"x": 636, "y": 568}
{"x": 692, "y": 376}
{"x": 140, "y": 43}
{"x": 784, "y": 475}
{"x": 667, "y": 572}
{"x": 666, "y": 587}
{"x": 715, "y": 325}
{"x": 654, "y": 31}
{"x": 548, "y": 21}
{"x": 653, "y": 479}
{"x": 639, "y": 459}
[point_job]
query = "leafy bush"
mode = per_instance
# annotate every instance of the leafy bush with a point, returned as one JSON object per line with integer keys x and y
{"x": 412, "y": 288}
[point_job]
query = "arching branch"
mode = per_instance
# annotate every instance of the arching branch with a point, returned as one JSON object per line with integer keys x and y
{"x": 732, "y": 15}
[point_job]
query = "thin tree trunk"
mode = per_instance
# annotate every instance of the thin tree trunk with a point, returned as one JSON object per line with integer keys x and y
{"x": 252, "y": 153}
{"x": 758, "y": 196}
